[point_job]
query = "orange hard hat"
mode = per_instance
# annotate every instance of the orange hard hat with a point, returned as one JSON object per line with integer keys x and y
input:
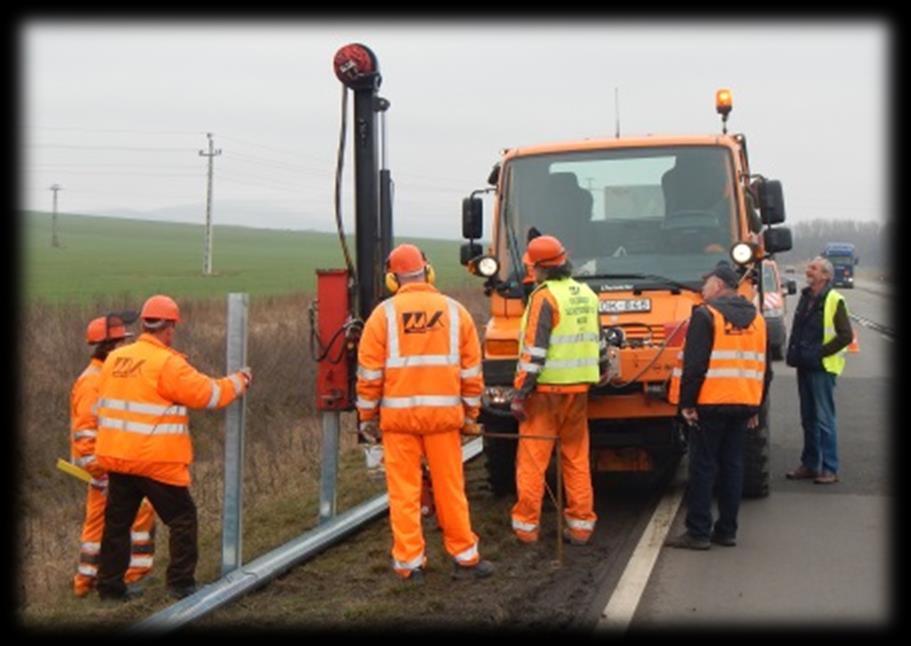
{"x": 545, "y": 251}
{"x": 160, "y": 307}
{"x": 406, "y": 259}
{"x": 106, "y": 328}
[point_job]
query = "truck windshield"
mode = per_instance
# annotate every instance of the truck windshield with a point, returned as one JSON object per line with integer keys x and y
{"x": 668, "y": 211}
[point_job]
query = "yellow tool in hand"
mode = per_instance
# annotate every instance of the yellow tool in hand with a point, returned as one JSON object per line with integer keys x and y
{"x": 73, "y": 470}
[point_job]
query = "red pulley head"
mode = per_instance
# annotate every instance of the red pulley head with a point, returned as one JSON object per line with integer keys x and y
{"x": 355, "y": 65}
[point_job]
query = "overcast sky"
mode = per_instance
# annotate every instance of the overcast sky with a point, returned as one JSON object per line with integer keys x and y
{"x": 115, "y": 112}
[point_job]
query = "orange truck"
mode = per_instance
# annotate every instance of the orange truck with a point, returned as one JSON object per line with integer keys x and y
{"x": 643, "y": 219}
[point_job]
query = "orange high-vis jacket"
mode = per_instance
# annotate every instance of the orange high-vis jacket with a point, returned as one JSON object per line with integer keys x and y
{"x": 736, "y": 371}
{"x": 83, "y": 423}
{"x": 143, "y": 426}
{"x": 419, "y": 363}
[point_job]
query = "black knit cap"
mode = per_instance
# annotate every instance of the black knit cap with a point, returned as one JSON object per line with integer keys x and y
{"x": 726, "y": 273}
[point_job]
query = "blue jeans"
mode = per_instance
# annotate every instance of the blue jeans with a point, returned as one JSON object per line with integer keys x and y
{"x": 715, "y": 449}
{"x": 817, "y": 416}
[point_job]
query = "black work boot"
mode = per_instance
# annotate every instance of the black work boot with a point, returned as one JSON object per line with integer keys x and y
{"x": 688, "y": 542}
{"x": 480, "y": 570}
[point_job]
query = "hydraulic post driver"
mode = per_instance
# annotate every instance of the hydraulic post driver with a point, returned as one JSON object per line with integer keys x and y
{"x": 346, "y": 297}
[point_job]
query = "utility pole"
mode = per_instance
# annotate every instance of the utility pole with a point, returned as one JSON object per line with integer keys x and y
{"x": 54, "y": 241}
{"x": 207, "y": 252}
{"x": 617, "y": 112}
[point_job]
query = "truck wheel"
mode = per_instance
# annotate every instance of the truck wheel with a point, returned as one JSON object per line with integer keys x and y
{"x": 500, "y": 455}
{"x": 756, "y": 457}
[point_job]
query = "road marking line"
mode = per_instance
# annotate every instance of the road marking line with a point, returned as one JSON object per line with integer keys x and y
{"x": 621, "y": 607}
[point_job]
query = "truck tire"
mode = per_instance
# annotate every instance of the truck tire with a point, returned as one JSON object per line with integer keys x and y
{"x": 500, "y": 455}
{"x": 756, "y": 457}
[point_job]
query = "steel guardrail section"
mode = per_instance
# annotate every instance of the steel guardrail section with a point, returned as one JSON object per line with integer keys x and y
{"x": 261, "y": 570}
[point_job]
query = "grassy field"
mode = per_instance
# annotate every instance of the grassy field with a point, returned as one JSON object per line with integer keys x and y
{"x": 104, "y": 257}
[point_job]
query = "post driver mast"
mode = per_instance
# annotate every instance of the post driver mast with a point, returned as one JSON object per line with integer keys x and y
{"x": 345, "y": 297}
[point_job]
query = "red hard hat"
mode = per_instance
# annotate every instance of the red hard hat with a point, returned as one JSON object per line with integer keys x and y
{"x": 545, "y": 251}
{"x": 160, "y": 307}
{"x": 105, "y": 328}
{"x": 406, "y": 259}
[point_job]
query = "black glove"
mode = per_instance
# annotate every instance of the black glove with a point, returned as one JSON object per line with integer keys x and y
{"x": 517, "y": 408}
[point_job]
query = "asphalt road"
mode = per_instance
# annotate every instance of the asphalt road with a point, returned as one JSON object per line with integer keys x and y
{"x": 809, "y": 557}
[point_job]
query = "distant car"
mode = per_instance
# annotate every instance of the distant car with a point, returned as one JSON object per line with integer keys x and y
{"x": 775, "y": 307}
{"x": 790, "y": 269}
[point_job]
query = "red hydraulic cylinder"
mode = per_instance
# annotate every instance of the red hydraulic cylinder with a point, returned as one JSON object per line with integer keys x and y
{"x": 334, "y": 382}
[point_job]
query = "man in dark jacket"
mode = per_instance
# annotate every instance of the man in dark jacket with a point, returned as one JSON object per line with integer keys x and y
{"x": 723, "y": 381}
{"x": 820, "y": 333}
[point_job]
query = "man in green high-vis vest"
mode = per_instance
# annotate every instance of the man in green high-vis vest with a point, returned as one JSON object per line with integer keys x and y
{"x": 820, "y": 334}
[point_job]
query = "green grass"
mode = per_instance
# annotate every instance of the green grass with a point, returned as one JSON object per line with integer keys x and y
{"x": 102, "y": 257}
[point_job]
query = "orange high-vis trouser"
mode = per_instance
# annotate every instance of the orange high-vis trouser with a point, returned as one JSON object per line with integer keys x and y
{"x": 143, "y": 543}
{"x": 564, "y": 415}
{"x": 443, "y": 452}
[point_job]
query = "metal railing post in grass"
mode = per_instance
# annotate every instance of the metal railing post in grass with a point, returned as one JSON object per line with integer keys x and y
{"x": 232, "y": 521}
{"x": 329, "y": 465}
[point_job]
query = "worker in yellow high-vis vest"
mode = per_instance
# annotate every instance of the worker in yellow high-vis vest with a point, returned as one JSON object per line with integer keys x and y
{"x": 820, "y": 335}
{"x": 720, "y": 381}
{"x": 562, "y": 352}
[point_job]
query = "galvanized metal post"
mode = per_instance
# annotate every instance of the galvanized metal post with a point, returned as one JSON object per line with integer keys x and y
{"x": 328, "y": 465}
{"x": 232, "y": 521}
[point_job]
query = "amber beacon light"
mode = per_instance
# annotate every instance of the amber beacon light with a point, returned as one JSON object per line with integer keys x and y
{"x": 723, "y": 105}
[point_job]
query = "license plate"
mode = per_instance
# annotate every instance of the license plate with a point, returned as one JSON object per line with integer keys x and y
{"x": 618, "y": 306}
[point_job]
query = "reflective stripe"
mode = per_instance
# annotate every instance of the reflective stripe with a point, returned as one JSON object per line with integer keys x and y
{"x": 571, "y": 363}
{"x": 472, "y": 401}
{"x": 421, "y": 400}
{"x": 364, "y": 373}
{"x": 85, "y": 433}
{"x": 676, "y": 372}
{"x": 216, "y": 395}
{"x": 738, "y": 354}
{"x": 392, "y": 330}
{"x": 468, "y": 555}
{"x": 530, "y": 367}
{"x": 581, "y": 337}
{"x": 471, "y": 372}
{"x": 84, "y": 460}
{"x": 87, "y": 570}
{"x": 536, "y": 351}
{"x": 136, "y": 407}
{"x": 369, "y": 404}
{"x": 525, "y": 527}
{"x": 91, "y": 548}
{"x": 423, "y": 360}
{"x": 141, "y": 561}
{"x": 138, "y": 427}
{"x": 739, "y": 373}
{"x": 453, "y": 326}
{"x": 409, "y": 565}
{"x": 139, "y": 536}
{"x": 579, "y": 524}
{"x": 238, "y": 383}
{"x": 101, "y": 483}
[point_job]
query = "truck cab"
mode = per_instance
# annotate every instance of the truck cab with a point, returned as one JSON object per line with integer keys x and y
{"x": 642, "y": 219}
{"x": 843, "y": 259}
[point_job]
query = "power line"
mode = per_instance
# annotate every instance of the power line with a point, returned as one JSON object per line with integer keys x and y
{"x": 130, "y": 148}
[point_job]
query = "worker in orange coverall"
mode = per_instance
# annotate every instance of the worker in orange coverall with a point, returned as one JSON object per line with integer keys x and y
{"x": 144, "y": 443}
{"x": 562, "y": 353}
{"x": 105, "y": 333}
{"x": 419, "y": 384}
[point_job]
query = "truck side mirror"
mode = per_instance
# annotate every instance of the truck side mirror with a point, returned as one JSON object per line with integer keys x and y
{"x": 494, "y": 176}
{"x": 472, "y": 218}
{"x": 468, "y": 251}
{"x": 777, "y": 240}
{"x": 771, "y": 202}
{"x": 792, "y": 287}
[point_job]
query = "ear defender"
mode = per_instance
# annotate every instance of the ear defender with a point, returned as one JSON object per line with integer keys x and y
{"x": 430, "y": 273}
{"x": 392, "y": 283}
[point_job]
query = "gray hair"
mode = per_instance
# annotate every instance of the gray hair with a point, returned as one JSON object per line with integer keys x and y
{"x": 827, "y": 267}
